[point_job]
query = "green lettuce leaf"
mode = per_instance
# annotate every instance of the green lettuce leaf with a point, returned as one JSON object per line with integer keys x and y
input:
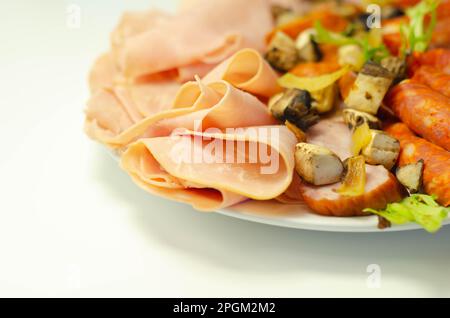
{"x": 416, "y": 36}
{"x": 376, "y": 54}
{"x": 419, "y": 208}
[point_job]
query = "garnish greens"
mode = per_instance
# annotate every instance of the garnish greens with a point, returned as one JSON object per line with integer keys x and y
{"x": 416, "y": 35}
{"x": 419, "y": 208}
{"x": 371, "y": 51}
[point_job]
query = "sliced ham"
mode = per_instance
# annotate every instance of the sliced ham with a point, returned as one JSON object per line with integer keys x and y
{"x": 135, "y": 23}
{"x": 208, "y": 32}
{"x": 102, "y": 73}
{"x": 248, "y": 71}
{"x": 155, "y": 165}
{"x": 114, "y": 110}
{"x": 381, "y": 186}
{"x": 218, "y": 105}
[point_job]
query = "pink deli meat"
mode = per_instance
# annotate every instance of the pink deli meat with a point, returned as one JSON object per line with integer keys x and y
{"x": 158, "y": 166}
{"x": 206, "y": 33}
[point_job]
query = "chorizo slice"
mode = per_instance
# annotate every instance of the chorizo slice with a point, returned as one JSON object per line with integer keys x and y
{"x": 436, "y": 173}
{"x": 423, "y": 110}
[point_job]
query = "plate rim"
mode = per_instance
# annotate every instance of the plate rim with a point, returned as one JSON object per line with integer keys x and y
{"x": 340, "y": 227}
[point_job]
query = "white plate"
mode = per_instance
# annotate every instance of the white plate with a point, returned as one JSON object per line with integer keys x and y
{"x": 302, "y": 217}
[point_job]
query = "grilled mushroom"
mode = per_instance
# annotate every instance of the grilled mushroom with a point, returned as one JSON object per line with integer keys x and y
{"x": 295, "y": 106}
{"x": 382, "y": 150}
{"x": 278, "y": 10}
{"x": 390, "y": 12}
{"x": 411, "y": 176}
{"x": 282, "y": 15}
{"x": 369, "y": 88}
{"x": 317, "y": 165}
{"x": 354, "y": 118}
{"x": 307, "y": 47}
{"x": 282, "y": 54}
{"x": 395, "y": 65}
{"x": 274, "y": 108}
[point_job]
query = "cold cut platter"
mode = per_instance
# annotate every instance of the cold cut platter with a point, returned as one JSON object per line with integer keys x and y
{"x": 317, "y": 115}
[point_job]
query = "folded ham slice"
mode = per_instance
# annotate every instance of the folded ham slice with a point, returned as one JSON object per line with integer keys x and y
{"x": 381, "y": 186}
{"x": 249, "y": 71}
{"x": 217, "y": 104}
{"x": 116, "y": 109}
{"x": 206, "y": 33}
{"x": 155, "y": 165}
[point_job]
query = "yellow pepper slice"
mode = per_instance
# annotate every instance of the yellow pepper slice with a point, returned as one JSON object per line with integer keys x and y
{"x": 361, "y": 137}
{"x": 354, "y": 182}
{"x": 311, "y": 84}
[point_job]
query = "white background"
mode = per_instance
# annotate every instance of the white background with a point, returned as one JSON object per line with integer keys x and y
{"x": 73, "y": 224}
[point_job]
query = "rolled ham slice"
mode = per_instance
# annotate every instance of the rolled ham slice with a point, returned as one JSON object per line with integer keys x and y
{"x": 381, "y": 186}
{"x": 218, "y": 179}
{"x": 208, "y": 33}
{"x": 219, "y": 105}
{"x": 249, "y": 71}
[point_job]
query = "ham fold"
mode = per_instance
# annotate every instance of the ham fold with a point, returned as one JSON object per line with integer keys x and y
{"x": 249, "y": 71}
{"x": 145, "y": 105}
{"x": 158, "y": 165}
{"x": 206, "y": 33}
{"x": 216, "y": 104}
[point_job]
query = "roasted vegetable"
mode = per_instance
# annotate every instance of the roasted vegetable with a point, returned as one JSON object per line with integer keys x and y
{"x": 295, "y": 106}
{"x": 381, "y": 150}
{"x": 390, "y": 12}
{"x": 282, "y": 15}
{"x": 301, "y": 136}
{"x": 282, "y": 53}
{"x": 418, "y": 208}
{"x": 369, "y": 89}
{"x": 354, "y": 118}
{"x": 411, "y": 176}
{"x": 311, "y": 84}
{"x": 361, "y": 137}
{"x": 308, "y": 49}
{"x": 324, "y": 99}
{"x": 294, "y": 115}
{"x": 354, "y": 180}
{"x": 278, "y": 11}
{"x": 274, "y": 108}
{"x": 317, "y": 165}
{"x": 395, "y": 65}
{"x": 352, "y": 55}
{"x": 363, "y": 21}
